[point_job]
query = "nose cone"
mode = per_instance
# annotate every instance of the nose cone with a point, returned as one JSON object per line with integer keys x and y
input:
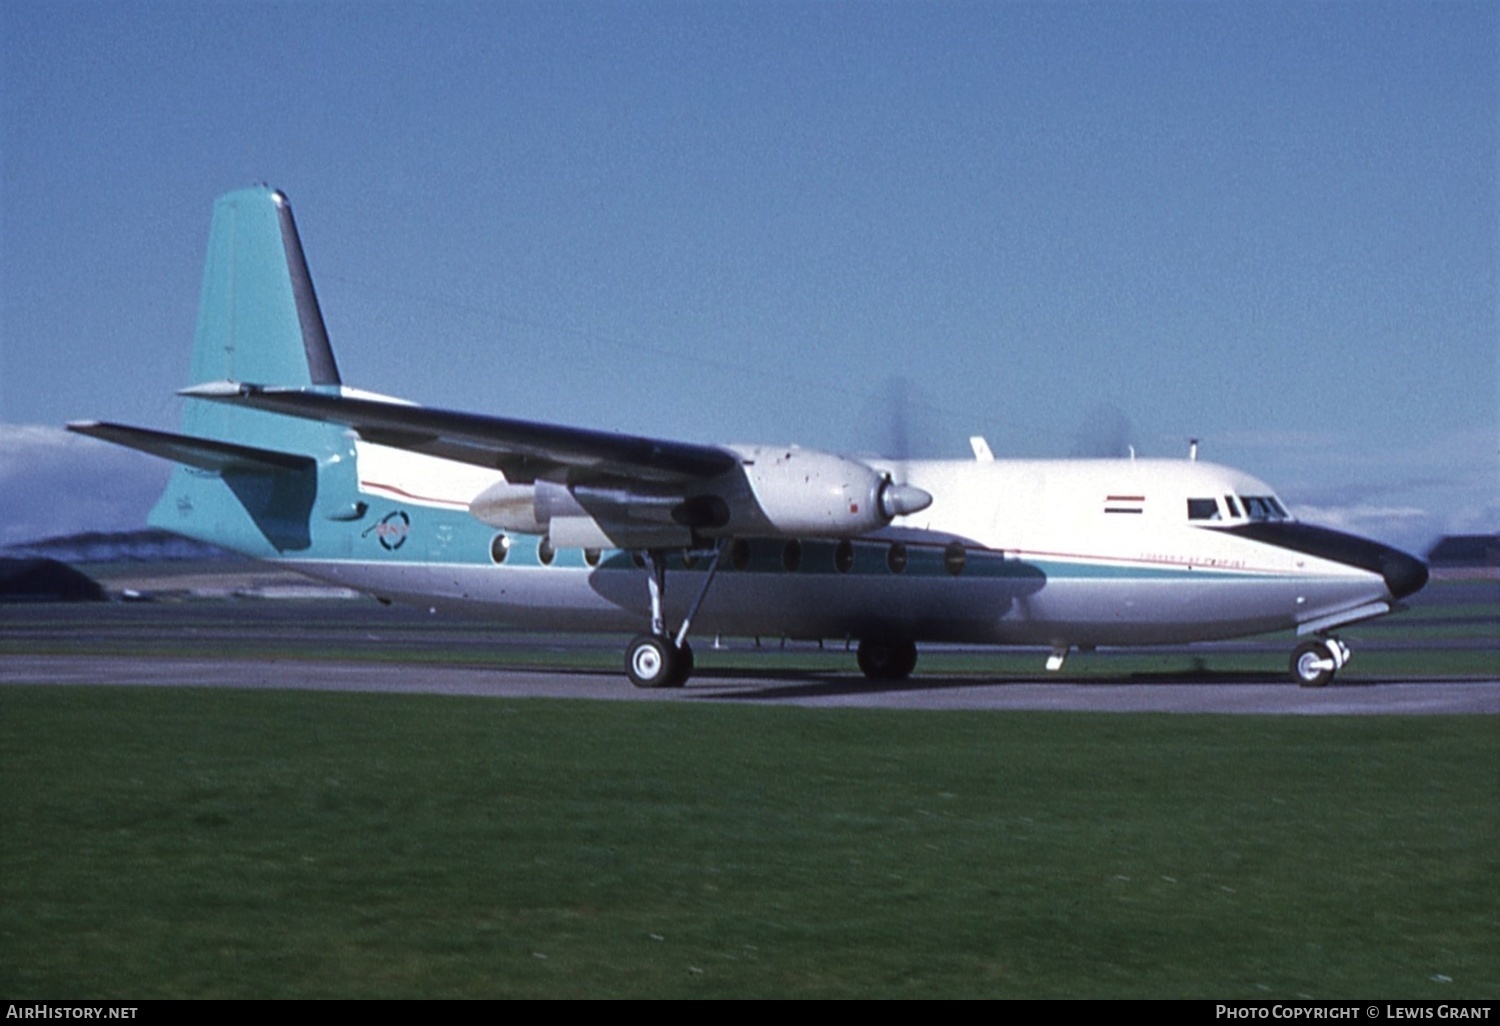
{"x": 1404, "y": 575}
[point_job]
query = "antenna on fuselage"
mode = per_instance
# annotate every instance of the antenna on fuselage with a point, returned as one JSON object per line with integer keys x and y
{"x": 1193, "y": 449}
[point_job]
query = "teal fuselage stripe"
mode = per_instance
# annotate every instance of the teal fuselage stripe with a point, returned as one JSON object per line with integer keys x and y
{"x": 399, "y": 533}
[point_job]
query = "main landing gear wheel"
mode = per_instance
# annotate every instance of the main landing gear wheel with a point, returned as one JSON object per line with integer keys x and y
{"x": 653, "y": 662}
{"x": 1315, "y": 662}
{"x": 656, "y": 660}
{"x": 887, "y": 660}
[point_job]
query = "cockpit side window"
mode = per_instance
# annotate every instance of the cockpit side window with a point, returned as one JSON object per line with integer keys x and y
{"x": 1234, "y": 509}
{"x": 1203, "y": 509}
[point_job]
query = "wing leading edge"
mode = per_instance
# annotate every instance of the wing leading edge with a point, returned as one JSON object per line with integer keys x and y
{"x": 523, "y": 450}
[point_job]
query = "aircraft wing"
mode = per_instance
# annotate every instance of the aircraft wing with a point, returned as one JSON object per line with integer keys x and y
{"x": 523, "y": 450}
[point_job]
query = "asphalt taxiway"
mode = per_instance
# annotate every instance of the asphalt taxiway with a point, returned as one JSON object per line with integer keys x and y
{"x": 359, "y": 646}
{"x": 1389, "y": 697}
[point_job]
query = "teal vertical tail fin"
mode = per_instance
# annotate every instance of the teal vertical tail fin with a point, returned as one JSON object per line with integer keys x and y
{"x": 258, "y": 316}
{"x": 259, "y": 323}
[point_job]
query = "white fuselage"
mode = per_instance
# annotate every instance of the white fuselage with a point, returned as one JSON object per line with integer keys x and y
{"x": 1032, "y": 552}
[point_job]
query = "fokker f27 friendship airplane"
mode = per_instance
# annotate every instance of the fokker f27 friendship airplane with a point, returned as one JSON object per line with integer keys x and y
{"x": 542, "y": 526}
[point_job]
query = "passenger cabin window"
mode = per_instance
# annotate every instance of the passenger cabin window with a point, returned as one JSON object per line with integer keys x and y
{"x": 954, "y": 557}
{"x": 1263, "y": 507}
{"x": 843, "y": 556}
{"x": 1203, "y": 509}
{"x": 895, "y": 558}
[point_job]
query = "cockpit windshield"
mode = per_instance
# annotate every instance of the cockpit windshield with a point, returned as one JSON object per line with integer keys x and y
{"x": 1256, "y": 507}
{"x": 1264, "y": 507}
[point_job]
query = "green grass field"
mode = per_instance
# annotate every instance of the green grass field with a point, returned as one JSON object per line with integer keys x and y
{"x": 186, "y": 842}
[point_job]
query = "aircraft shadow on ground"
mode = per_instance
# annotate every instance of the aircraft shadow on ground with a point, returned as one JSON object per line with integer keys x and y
{"x": 782, "y": 685}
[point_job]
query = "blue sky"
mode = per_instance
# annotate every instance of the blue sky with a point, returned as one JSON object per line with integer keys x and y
{"x": 1066, "y": 226}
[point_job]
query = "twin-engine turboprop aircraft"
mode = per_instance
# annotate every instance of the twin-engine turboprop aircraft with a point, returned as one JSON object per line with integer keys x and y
{"x": 541, "y": 526}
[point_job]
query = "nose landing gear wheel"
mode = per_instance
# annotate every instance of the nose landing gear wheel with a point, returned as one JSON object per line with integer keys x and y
{"x": 653, "y": 662}
{"x": 1315, "y": 662}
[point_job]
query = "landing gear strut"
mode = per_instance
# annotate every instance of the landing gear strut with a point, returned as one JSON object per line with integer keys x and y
{"x": 1316, "y": 661}
{"x": 659, "y": 660}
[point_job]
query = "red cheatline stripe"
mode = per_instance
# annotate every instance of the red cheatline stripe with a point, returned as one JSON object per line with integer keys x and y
{"x": 412, "y": 495}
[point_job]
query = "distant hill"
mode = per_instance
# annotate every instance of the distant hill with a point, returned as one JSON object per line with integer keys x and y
{"x": 1466, "y": 551}
{"x": 144, "y": 564}
{"x": 37, "y": 579}
{"x": 144, "y": 546}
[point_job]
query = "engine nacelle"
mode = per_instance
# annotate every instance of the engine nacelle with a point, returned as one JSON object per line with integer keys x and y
{"x": 785, "y": 491}
{"x": 510, "y": 507}
{"x": 811, "y": 493}
{"x": 593, "y": 515}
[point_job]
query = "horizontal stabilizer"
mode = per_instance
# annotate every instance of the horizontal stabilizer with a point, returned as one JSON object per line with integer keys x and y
{"x": 524, "y": 450}
{"x": 193, "y": 452}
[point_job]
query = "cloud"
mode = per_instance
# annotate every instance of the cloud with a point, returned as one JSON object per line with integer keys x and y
{"x": 53, "y": 483}
{"x": 1414, "y": 530}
